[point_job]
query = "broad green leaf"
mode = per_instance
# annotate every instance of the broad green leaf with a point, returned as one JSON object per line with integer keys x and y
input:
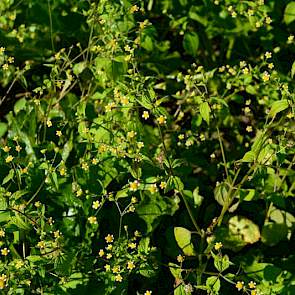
{"x": 20, "y": 105}
{"x": 191, "y": 43}
{"x": 3, "y": 128}
{"x": 79, "y": 68}
{"x": 213, "y": 284}
{"x": 183, "y": 239}
{"x": 205, "y": 111}
{"x": 175, "y": 270}
{"x": 220, "y": 193}
{"x": 221, "y": 263}
{"x": 278, "y": 106}
{"x": 249, "y": 157}
{"x": 289, "y": 14}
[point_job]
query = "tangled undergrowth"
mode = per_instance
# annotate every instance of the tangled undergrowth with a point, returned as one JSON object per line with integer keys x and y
{"x": 147, "y": 147}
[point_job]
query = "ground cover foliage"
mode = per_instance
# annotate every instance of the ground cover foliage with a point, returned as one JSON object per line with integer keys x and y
{"x": 147, "y": 147}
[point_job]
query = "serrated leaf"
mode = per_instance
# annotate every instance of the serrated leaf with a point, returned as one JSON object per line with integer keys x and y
{"x": 183, "y": 238}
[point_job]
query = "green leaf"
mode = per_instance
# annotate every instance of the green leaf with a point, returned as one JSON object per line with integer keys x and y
{"x": 221, "y": 263}
{"x": 278, "y": 106}
{"x": 293, "y": 70}
{"x": 9, "y": 176}
{"x": 249, "y": 157}
{"x": 205, "y": 111}
{"x": 183, "y": 239}
{"x": 175, "y": 270}
{"x": 79, "y": 68}
{"x": 191, "y": 43}
{"x": 20, "y": 105}
{"x": 3, "y": 128}
{"x": 289, "y": 14}
{"x": 213, "y": 284}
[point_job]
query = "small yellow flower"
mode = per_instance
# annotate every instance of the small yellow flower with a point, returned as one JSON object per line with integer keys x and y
{"x": 133, "y": 200}
{"x": 132, "y": 245}
{"x": 5, "y": 251}
{"x": 268, "y": 54}
{"x": 9, "y": 159}
{"x": 2, "y": 233}
{"x": 96, "y": 205}
{"x": 48, "y": 123}
{"x": 109, "y": 107}
{"x": 290, "y": 39}
{"x": 131, "y": 134}
{"x": 109, "y": 256}
{"x": 140, "y": 144}
{"x": 137, "y": 233}
{"x": 181, "y": 136}
{"x": 62, "y": 171}
{"x": 58, "y": 133}
{"x": 131, "y": 208}
{"x": 145, "y": 115}
{"x": 134, "y": 8}
{"x": 268, "y": 20}
{"x": 6, "y": 149}
{"x": 161, "y": 120}
{"x": 240, "y": 285}
{"x": 124, "y": 99}
{"x": 249, "y": 129}
{"x": 265, "y": 76}
{"x": 270, "y": 66}
{"x": 245, "y": 71}
{"x": 247, "y": 110}
{"x": 100, "y": 252}
{"x": 253, "y": 292}
{"x": 38, "y": 204}
{"x": 252, "y": 285}
{"x": 153, "y": 188}
{"x": 19, "y": 264}
{"x": 2, "y": 49}
{"x": 56, "y": 234}
{"x": 41, "y": 245}
{"x": 94, "y": 161}
{"x": 258, "y": 24}
{"x": 180, "y": 258}
{"x": 116, "y": 269}
{"x": 10, "y": 59}
{"x": 290, "y": 115}
{"x": 118, "y": 278}
{"x": 85, "y": 166}
{"x": 109, "y": 247}
{"x": 107, "y": 267}
{"x": 109, "y": 238}
{"x": 92, "y": 220}
{"x": 218, "y": 246}
{"x": 5, "y": 67}
{"x": 163, "y": 185}
{"x": 3, "y": 279}
{"x": 130, "y": 265}
{"x": 212, "y": 156}
{"x": 148, "y": 292}
{"x": 18, "y": 148}
{"x": 133, "y": 186}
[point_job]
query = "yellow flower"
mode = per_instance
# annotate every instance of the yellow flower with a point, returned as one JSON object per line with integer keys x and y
{"x": 240, "y": 285}
{"x": 19, "y": 264}
{"x": 18, "y": 148}
{"x": 249, "y": 129}
{"x": 247, "y": 110}
{"x": 131, "y": 208}
{"x": 134, "y": 8}
{"x": 109, "y": 256}
{"x": 6, "y": 149}
{"x": 41, "y": 245}
{"x": 100, "y": 252}
{"x": 3, "y": 279}
{"x": 94, "y": 161}
{"x": 245, "y": 71}
{"x": 96, "y": 205}
{"x": 58, "y": 133}
{"x": 153, "y": 188}
{"x": 180, "y": 258}
{"x": 109, "y": 107}
{"x": 145, "y": 115}
{"x": 109, "y": 238}
{"x": 38, "y": 204}
{"x": 163, "y": 185}
{"x": 92, "y": 220}
{"x": 161, "y": 120}
{"x": 109, "y": 247}
{"x": 270, "y": 66}
{"x": 2, "y": 49}
{"x": 218, "y": 246}
{"x": 132, "y": 245}
{"x": 290, "y": 115}
{"x": 107, "y": 267}
{"x": 268, "y": 20}
{"x": 49, "y": 123}
{"x": 131, "y": 134}
{"x": 265, "y": 76}
{"x": 253, "y": 292}
{"x": 290, "y": 39}
{"x": 140, "y": 144}
{"x": 133, "y": 186}
{"x": 62, "y": 171}
{"x": 9, "y": 159}
{"x": 130, "y": 265}
{"x": 116, "y": 269}
{"x": 137, "y": 233}
{"x": 133, "y": 200}
{"x": 118, "y": 278}
{"x": 252, "y": 285}
{"x": 5, "y": 67}
{"x": 148, "y": 292}
{"x": 268, "y": 54}
{"x": 5, "y": 251}
{"x": 2, "y": 233}
{"x": 124, "y": 100}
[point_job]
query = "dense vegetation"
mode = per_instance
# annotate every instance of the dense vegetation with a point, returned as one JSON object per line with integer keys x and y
{"x": 147, "y": 147}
